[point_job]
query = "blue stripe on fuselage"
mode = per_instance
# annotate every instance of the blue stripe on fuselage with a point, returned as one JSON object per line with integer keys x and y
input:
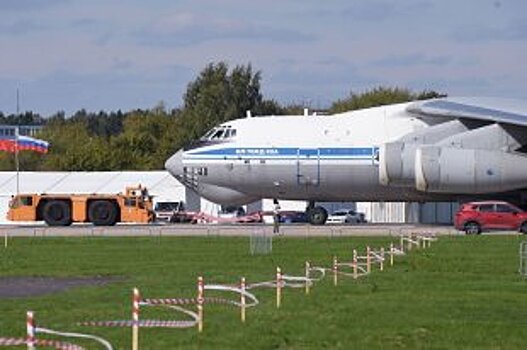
{"x": 281, "y": 152}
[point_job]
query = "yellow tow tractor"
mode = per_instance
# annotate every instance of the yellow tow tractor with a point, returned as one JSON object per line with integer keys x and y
{"x": 134, "y": 205}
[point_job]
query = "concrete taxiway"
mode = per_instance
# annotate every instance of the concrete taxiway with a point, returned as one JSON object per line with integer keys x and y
{"x": 188, "y": 230}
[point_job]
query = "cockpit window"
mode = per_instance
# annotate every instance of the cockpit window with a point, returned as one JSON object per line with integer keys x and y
{"x": 219, "y": 133}
{"x": 208, "y": 134}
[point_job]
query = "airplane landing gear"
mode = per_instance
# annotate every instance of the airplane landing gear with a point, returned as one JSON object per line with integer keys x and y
{"x": 316, "y": 215}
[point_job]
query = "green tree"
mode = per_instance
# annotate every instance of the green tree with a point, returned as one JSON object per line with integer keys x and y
{"x": 218, "y": 95}
{"x": 378, "y": 97}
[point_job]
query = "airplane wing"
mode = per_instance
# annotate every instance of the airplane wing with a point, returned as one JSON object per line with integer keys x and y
{"x": 507, "y": 111}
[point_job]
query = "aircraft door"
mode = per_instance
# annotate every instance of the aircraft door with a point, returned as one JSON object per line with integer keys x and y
{"x": 308, "y": 166}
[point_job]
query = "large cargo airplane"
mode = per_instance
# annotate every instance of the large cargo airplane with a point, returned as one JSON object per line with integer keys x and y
{"x": 435, "y": 150}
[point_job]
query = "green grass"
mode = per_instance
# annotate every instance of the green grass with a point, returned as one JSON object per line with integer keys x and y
{"x": 464, "y": 292}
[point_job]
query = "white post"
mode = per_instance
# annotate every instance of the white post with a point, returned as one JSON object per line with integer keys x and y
{"x": 308, "y": 268}
{"x": 135, "y": 317}
{"x": 382, "y": 259}
{"x": 368, "y": 259}
{"x": 391, "y": 254}
{"x": 335, "y": 271}
{"x": 30, "y": 330}
{"x": 355, "y": 270}
{"x": 200, "y": 304}
{"x": 242, "y": 301}
{"x": 278, "y": 287}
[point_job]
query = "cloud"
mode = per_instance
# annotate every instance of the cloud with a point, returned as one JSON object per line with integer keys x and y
{"x": 109, "y": 89}
{"x": 413, "y": 59}
{"x": 185, "y": 29}
{"x": 316, "y": 83}
{"x": 29, "y": 5}
{"x": 375, "y": 10}
{"x": 21, "y": 27}
{"x": 514, "y": 30}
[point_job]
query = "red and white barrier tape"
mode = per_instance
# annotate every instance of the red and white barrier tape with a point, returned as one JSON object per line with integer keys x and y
{"x": 40, "y": 342}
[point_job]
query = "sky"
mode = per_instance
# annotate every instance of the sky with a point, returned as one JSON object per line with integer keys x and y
{"x": 64, "y": 55}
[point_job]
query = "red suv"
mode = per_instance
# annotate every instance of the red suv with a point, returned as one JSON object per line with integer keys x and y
{"x": 475, "y": 217}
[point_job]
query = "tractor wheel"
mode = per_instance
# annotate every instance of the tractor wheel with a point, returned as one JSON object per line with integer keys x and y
{"x": 102, "y": 213}
{"x": 57, "y": 213}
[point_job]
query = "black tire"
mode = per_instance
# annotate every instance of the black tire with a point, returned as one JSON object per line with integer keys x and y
{"x": 317, "y": 216}
{"x": 523, "y": 228}
{"x": 57, "y": 213}
{"x": 472, "y": 228}
{"x": 102, "y": 213}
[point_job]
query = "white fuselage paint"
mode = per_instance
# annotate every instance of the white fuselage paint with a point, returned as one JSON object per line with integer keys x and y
{"x": 324, "y": 158}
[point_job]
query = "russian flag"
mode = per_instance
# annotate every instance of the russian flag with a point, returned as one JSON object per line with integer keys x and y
{"x": 23, "y": 143}
{"x": 26, "y": 143}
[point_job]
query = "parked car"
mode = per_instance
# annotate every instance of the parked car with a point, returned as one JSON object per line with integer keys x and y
{"x": 289, "y": 217}
{"x": 165, "y": 210}
{"x": 475, "y": 217}
{"x": 173, "y": 212}
{"x": 346, "y": 216}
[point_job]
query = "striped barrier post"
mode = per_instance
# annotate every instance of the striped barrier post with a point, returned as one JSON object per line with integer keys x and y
{"x": 136, "y": 298}
{"x": 308, "y": 268}
{"x": 200, "y": 304}
{"x": 381, "y": 267}
{"x": 335, "y": 270}
{"x": 391, "y": 254}
{"x": 368, "y": 259}
{"x": 278, "y": 287}
{"x": 30, "y": 330}
{"x": 355, "y": 267}
{"x": 242, "y": 299}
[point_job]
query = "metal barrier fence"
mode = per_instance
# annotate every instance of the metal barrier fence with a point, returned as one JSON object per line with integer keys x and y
{"x": 260, "y": 242}
{"x": 523, "y": 258}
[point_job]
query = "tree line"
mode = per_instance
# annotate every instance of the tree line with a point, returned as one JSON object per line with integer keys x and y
{"x": 144, "y": 139}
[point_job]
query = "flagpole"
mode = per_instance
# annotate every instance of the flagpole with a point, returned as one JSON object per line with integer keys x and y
{"x": 17, "y": 163}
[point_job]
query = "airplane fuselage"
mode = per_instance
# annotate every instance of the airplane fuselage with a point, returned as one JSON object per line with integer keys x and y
{"x": 322, "y": 158}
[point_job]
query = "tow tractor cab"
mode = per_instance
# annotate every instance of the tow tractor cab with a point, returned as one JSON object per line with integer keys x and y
{"x": 135, "y": 205}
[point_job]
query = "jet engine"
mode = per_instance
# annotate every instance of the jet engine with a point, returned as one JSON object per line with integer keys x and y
{"x": 456, "y": 157}
{"x": 454, "y": 170}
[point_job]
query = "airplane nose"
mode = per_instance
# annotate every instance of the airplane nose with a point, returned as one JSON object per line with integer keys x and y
{"x": 174, "y": 164}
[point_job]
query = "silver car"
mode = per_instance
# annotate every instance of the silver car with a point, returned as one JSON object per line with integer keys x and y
{"x": 346, "y": 216}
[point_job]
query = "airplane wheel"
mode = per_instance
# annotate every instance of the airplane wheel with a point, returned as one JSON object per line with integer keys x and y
{"x": 57, "y": 213}
{"x": 102, "y": 213}
{"x": 318, "y": 216}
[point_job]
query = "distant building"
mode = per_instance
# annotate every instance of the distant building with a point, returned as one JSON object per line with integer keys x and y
{"x": 25, "y": 130}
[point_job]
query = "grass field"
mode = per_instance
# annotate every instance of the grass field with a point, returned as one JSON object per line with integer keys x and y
{"x": 463, "y": 293}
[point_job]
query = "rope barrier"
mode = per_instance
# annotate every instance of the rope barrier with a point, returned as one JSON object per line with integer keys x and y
{"x": 360, "y": 265}
{"x": 31, "y": 340}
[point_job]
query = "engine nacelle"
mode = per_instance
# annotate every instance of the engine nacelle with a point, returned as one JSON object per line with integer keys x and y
{"x": 396, "y": 163}
{"x": 457, "y": 170}
{"x": 397, "y": 159}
